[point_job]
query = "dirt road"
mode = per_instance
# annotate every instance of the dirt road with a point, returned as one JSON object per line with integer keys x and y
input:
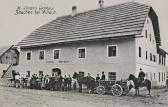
{"x": 12, "y": 97}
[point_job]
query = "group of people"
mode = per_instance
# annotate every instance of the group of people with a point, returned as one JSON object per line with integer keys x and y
{"x": 103, "y": 77}
{"x": 56, "y": 82}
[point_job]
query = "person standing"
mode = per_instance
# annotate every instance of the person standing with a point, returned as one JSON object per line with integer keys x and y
{"x": 103, "y": 76}
{"x": 65, "y": 83}
{"x": 69, "y": 82}
{"x": 97, "y": 77}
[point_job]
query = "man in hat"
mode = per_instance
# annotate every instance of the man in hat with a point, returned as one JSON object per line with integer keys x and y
{"x": 141, "y": 76}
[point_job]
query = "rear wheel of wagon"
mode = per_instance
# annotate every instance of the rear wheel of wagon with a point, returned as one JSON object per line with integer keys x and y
{"x": 100, "y": 90}
{"x": 116, "y": 90}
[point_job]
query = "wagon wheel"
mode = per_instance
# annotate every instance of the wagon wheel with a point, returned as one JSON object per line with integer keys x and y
{"x": 116, "y": 90}
{"x": 100, "y": 90}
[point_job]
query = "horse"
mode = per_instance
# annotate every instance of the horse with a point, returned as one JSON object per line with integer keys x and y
{"x": 88, "y": 81}
{"x": 51, "y": 83}
{"x": 137, "y": 83}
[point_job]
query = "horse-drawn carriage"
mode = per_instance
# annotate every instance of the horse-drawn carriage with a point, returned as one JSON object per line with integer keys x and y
{"x": 117, "y": 88}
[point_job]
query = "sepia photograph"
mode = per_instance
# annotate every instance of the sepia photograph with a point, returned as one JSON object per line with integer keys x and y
{"x": 83, "y": 53}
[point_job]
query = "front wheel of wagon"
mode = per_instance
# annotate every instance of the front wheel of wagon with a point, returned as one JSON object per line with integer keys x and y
{"x": 117, "y": 90}
{"x": 100, "y": 90}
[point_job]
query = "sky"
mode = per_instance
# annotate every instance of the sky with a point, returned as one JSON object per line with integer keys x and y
{"x": 13, "y": 28}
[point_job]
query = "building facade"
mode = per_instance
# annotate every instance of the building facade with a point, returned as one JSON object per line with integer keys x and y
{"x": 117, "y": 40}
{"x": 9, "y": 58}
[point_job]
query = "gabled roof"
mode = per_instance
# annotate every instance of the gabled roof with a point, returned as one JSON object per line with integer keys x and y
{"x": 115, "y": 21}
{"x": 4, "y": 49}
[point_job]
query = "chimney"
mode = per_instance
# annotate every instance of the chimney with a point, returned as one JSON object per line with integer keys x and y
{"x": 101, "y": 3}
{"x": 74, "y": 10}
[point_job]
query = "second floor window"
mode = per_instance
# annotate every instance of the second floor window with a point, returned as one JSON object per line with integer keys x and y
{"x": 41, "y": 55}
{"x": 81, "y": 53}
{"x": 28, "y": 56}
{"x": 139, "y": 51}
{"x": 112, "y": 51}
{"x": 56, "y": 54}
{"x": 82, "y": 73}
{"x": 146, "y": 55}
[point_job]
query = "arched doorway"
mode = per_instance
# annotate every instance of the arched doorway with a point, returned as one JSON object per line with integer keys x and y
{"x": 56, "y": 71}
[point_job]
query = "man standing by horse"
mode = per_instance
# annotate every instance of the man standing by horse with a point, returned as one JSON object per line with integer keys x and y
{"x": 141, "y": 76}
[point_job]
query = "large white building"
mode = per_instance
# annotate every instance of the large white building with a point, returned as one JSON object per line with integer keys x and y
{"x": 118, "y": 40}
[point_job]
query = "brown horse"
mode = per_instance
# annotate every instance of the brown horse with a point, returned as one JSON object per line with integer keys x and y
{"x": 137, "y": 83}
{"x": 88, "y": 81}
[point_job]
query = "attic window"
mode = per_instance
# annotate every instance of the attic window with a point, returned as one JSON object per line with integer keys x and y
{"x": 147, "y": 21}
{"x": 150, "y": 37}
{"x": 146, "y": 33}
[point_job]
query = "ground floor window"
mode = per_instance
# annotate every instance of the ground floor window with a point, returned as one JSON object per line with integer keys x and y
{"x": 151, "y": 76}
{"x": 112, "y": 76}
{"x": 154, "y": 76}
{"x": 27, "y": 73}
{"x": 41, "y": 73}
{"x": 82, "y": 73}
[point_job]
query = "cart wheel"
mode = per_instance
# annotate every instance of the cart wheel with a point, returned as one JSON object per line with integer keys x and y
{"x": 90, "y": 91}
{"x": 116, "y": 90}
{"x": 100, "y": 90}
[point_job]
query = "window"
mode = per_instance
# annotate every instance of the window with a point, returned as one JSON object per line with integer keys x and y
{"x": 151, "y": 76}
{"x": 112, "y": 76}
{"x": 154, "y": 76}
{"x": 154, "y": 58}
{"x": 41, "y": 55}
{"x": 27, "y": 73}
{"x": 82, "y": 73}
{"x": 150, "y": 37}
{"x": 146, "y": 33}
{"x": 147, "y": 21}
{"x": 139, "y": 51}
{"x": 162, "y": 76}
{"x": 56, "y": 54}
{"x": 159, "y": 59}
{"x": 112, "y": 51}
{"x": 164, "y": 62}
{"x": 159, "y": 76}
{"x": 28, "y": 56}
{"x": 150, "y": 57}
{"x": 146, "y": 55}
{"x": 162, "y": 59}
{"x": 81, "y": 53}
{"x": 41, "y": 73}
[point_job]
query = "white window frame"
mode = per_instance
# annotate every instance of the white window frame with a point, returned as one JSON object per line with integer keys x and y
{"x": 39, "y": 54}
{"x": 116, "y": 51}
{"x": 78, "y": 52}
{"x": 59, "y": 53}
{"x": 113, "y": 75}
{"x": 31, "y": 55}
